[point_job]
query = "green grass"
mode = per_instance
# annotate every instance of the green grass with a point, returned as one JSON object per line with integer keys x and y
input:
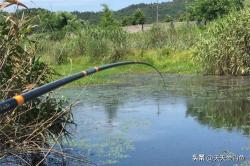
{"x": 165, "y": 48}
{"x": 173, "y": 63}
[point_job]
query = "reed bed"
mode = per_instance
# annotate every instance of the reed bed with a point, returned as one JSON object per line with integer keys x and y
{"x": 31, "y": 134}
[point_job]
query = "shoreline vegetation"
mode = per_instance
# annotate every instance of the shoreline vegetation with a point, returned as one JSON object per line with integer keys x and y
{"x": 167, "y": 46}
{"x": 176, "y": 63}
{"x": 173, "y": 47}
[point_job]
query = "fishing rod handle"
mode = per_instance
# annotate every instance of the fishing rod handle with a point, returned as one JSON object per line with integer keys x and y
{"x": 19, "y": 100}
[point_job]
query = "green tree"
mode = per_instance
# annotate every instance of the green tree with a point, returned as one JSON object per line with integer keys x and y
{"x": 60, "y": 20}
{"x": 139, "y": 18}
{"x": 208, "y": 10}
{"x": 48, "y": 21}
{"x": 107, "y": 18}
{"x": 169, "y": 18}
{"x": 127, "y": 20}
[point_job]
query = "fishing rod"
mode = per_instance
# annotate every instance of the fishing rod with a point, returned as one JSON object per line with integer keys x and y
{"x": 19, "y": 100}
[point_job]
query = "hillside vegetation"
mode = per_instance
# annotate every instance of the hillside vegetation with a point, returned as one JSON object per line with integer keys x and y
{"x": 175, "y": 9}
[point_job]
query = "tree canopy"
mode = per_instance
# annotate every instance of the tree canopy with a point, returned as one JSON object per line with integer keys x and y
{"x": 107, "y": 18}
{"x": 48, "y": 21}
{"x": 168, "y": 18}
{"x": 139, "y": 17}
{"x": 208, "y": 10}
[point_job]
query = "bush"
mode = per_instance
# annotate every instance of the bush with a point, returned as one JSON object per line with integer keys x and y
{"x": 59, "y": 52}
{"x": 103, "y": 43}
{"x": 157, "y": 36}
{"x": 177, "y": 37}
{"x": 108, "y": 44}
{"x": 182, "y": 37}
{"x": 120, "y": 44}
{"x": 224, "y": 48}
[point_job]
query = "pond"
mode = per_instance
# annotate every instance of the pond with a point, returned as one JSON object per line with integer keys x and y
{"x": 195, "y": 120}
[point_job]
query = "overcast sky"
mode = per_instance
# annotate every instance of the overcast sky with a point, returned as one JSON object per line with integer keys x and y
{"x": 82, "y": 5}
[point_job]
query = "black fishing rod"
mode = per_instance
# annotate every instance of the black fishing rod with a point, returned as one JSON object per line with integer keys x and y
{"x": 12, "y": 103}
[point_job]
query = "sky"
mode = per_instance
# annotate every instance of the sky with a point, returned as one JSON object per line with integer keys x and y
{"x": 83, "y": 5}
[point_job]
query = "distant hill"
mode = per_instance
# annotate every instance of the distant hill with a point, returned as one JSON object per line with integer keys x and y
{"x": 175, "y": 8}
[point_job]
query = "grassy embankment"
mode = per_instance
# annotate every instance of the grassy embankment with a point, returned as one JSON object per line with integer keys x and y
{"x": 176, "y": 63}
{"x": 168, "y": 48}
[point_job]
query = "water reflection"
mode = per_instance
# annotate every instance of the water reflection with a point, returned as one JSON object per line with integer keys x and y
{"x": 229, "y": 114}
{"x": 111, "y": 107}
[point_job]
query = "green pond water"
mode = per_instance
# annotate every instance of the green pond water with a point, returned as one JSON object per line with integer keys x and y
{"x": 139, "y": 123}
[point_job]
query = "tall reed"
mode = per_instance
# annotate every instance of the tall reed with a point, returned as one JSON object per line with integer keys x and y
{"x": 29, "y": 134}
{"x": 224, "y": 48}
